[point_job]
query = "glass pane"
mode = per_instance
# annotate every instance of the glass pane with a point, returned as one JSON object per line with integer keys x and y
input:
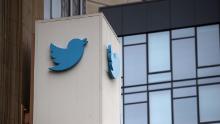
{"x": 160, "y": 107}
{"x": 46, "y": 9}
{"x": 159, "y": 51}
{"x": 209, "y": 102}
{"x": 181, "y": 92}
{"x": 159, "y": 86}
{"x": 135, "y": 65}
{"x": 185, "y": 111}
{"x": 135, "y": 89}
{"x": 202, "y": 72}
{"x": 184, "y": 65}
{"x": 56, "y": 8}
{"x": 137, "y": 97}
{"x": 180, "y": 33}
{"x": 184, "y": 83}
{"x": 153, "y": 78}
{"x": 134, "y": 39}
{"x": 208, "y": 45}
{"x": 136, "y": 114}
{"x": 120, "y": 40}
{"x": 209, "y": 80}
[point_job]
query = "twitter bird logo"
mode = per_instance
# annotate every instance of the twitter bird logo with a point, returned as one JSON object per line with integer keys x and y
{"x": 66, "y": 58}
{"x": 113, "y": 63}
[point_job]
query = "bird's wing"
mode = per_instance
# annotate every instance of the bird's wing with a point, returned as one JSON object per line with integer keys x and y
{"x": 57, "y": 53}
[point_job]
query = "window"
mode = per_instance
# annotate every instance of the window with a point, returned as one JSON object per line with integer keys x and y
{"x": 135, "y": 65}
{"x": 184, "y": 64}
{"x": 136, "y": 113}
{"x": 208, "y": 45}
{"x": 172, "y": 71}
{"x": 160, "y": 107}
{"x": 209, "y": 103}
{"x": 185, "y": 111}
{"x": 159, "y": 51}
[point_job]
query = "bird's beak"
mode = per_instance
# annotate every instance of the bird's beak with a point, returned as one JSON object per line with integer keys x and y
{"x": 85, "y": 42}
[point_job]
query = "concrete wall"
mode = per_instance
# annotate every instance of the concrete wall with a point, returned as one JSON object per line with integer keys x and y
{"x": 80, "y": 95}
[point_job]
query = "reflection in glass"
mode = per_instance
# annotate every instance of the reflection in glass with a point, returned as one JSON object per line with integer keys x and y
{"x": 209, "y": 102}
{"x": 154, "y": 78}
{"x": 159, "y": 86}
{"x": 136, "y": 114}
{"x": 182, "y": 92}
{"x": 56, "y": 8}
{"x": 135, "y": 65}
{"x": 208, "y": 45}
{"x": 137, "y": 97}
{"x": 160, "y": 107}
{"x": 135, "y": 89}
{"x": 184, "y": 65}
{"x": 46, "y": 9}
{"x": 202, "y": 72}
{"x": 185, "y": 111}
{"x": 133, "y": 39}
{"x": 209, "y": 80}
{"x": 180, "y": 33}
{"x": 159, "y": 51}
{"x": 184, "y": 83}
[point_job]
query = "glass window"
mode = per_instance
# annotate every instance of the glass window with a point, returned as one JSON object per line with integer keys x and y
{"x": 185, "y": 111}
{"x": 136, "y": 97}
{"x": 134, "y": 39}
{"x": 208, "y": 45}
{"x": 184, "y": 65}
{"x": 46, "y": 9}
{"x": 135, "y": 65}
{"x": 136, "y": 114}
{"x": 209, "y": 102}
{"x": 135, "y": 89}
{"x": 182, "y": 92}
{"x": 184, "y": 83}
{"x": 159, "y": 86}
{"x": 180, "y": 33}
{"x": 160, "y": 107}
{"x": 209, "y": 80}
{"x": 154, "y": 78}
{"x": 159, "y": 51}
{"x": 202, "y": 72}
{"x": 56, "y": 8}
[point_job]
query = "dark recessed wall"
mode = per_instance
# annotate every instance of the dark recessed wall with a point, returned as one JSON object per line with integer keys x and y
{"x": 161, "y": 15}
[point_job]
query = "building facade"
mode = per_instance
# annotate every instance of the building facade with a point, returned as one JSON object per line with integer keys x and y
{"x": 171, "y": 51}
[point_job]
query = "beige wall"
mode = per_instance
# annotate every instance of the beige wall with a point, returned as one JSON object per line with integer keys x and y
{"x": 84, "y": 94}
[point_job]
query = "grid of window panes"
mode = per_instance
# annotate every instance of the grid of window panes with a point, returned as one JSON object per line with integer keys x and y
{"x": 172, "y": 77}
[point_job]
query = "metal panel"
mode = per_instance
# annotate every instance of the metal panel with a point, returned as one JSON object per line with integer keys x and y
{"x": 134, "y": 19}
{"x": 207, "y": 11}
{"x": 182, "y": 13}
{"x": 158, "y": 15}
{"x": 114, "y": 17}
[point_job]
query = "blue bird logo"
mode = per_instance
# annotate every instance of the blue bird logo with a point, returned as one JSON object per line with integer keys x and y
{"x": 66, "y": 58}
{"x": 113, "y": 63}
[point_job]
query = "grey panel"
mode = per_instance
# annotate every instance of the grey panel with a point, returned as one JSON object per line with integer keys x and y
{"x": 185, "y": 111}
{"x": 134, "y": 19}
{"x": 207, "y": 11}
{"x": 158, "y": 15}
{"x": 182, "y": 92}
{"x": 135, "y": 65}
{"x": 182, "y": 13}
{"x": 136, "y": 114}
{"x": 135, "y": 89}
{"x": 114, "y": 17}
{"x": 137, "y": 97}
{"x": 184, "y": 65}
{"x": 133, "y": 39}
{"x": 209, "y": 103}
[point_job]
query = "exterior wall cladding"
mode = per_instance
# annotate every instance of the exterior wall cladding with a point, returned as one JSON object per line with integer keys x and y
{"x": 171, "y": 60}
{"x": 160, "y": 15}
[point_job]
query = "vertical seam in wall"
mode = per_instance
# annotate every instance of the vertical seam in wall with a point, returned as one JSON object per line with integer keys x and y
{"x": 100, "y": 69}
